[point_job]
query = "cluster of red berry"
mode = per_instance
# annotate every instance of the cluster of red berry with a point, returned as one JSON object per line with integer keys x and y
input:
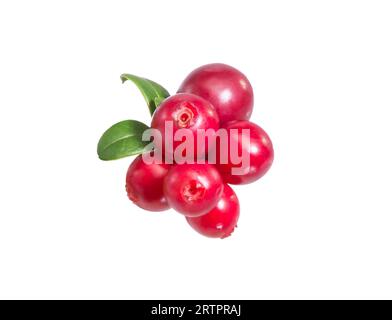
{"x": 212, "y": 97}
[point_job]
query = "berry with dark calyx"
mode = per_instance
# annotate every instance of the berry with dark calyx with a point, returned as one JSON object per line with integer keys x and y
{"x": 258, "y": 150}
{"x": 185, "y": 111}
{"x": 144, "y": 184}
{"x": 193, "y": 189}
{"x": 221, "y": 221}
{"x": 229, "y": 91}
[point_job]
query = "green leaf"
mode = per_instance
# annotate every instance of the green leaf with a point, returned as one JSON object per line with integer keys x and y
{"x": 122, "y": 140}
{"x": 158, "y": 101}
{"x": 152, "y": 92}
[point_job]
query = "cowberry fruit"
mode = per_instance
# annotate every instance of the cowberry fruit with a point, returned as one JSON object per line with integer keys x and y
{"x": 258, "y": 150}
{"x": 221, "y": 221}
{"x": 229, "y": 91}
{"x": 185, "y": 111}
{"x": 144, "y": 184}
{"x": 193, "y": 189}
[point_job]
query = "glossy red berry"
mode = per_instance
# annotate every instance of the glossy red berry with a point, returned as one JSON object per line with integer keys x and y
{"x": 221, "y": 221}
{"x": 185, "y": 111}
{"x": 258, "y": 150}
{"x": 193, "y": 189}
{"x": 144, "y": 184}
{"x": 229, "y": 91}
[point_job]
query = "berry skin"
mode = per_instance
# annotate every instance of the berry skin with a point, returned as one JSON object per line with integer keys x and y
{"x": 260, "y": 153}
{"x": 221, "y": 221}
{"x": 185, "y": 111}
{"x": 144, "y": 184}
{"x": 193, "y": 189}
{"x": 229, "y": 91}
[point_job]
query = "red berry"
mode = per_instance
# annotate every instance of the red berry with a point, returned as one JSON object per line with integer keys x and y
{"x": 144, "y": 184}
{"x": 185, "y": 111}
{"x": 229, "y": 91}
{"x": 259, "y": 151}
{"x": 193, "y": 189}
{"x": 220, "y": 221}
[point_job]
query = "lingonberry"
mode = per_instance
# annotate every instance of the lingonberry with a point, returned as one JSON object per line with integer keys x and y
{"x": 193, "y": 189}
{"x": 229, "y": 91}
{"x": 258, "y": 151}
{"x": 221, "y": 221}
{"x": 185, "y": 111}
{"x": 144, "y": 184}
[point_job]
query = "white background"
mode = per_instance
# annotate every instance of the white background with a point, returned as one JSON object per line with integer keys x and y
{"x": 318, "y": 225}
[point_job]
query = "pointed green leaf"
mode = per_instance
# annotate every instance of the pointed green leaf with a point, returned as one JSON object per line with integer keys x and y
{"x": 122, "y": 140}
{"x": 152, "y": 92}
